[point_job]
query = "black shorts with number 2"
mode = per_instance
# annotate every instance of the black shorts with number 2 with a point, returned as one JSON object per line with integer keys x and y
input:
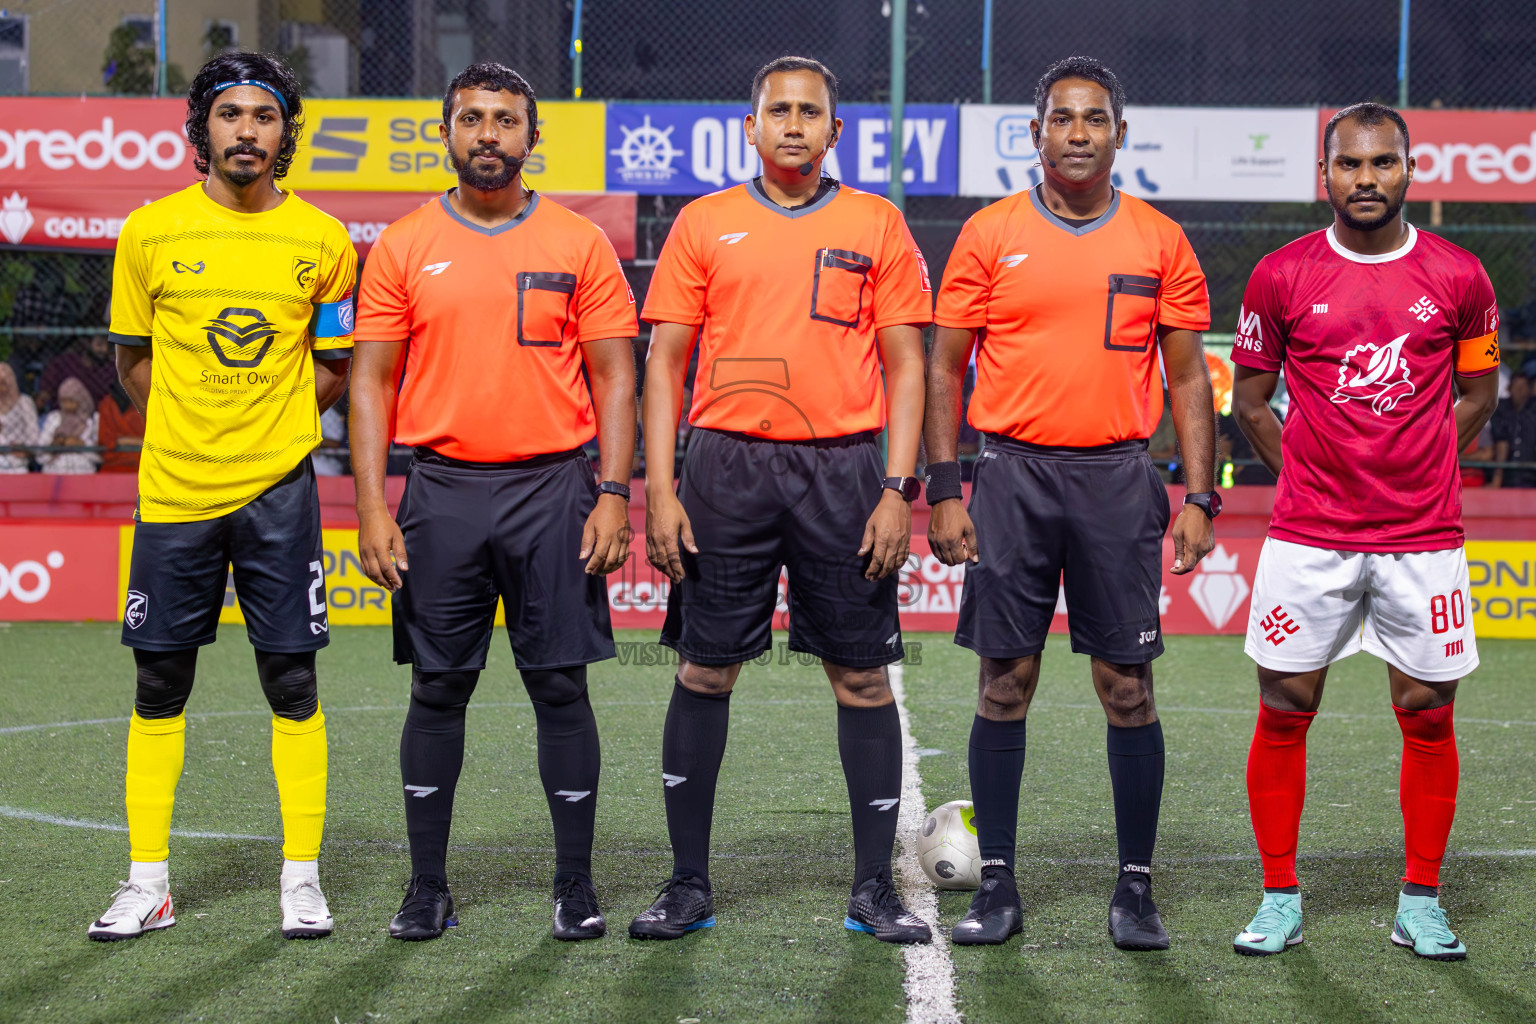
{"x": 180, "y": 571}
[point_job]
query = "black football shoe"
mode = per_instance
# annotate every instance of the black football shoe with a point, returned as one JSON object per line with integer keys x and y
{"x": 874, "y": 908}
{"x": 684, "y": 905}
{"x": 995, "y": 914}
{"x": 577, "y": 915}
{"x": 1133, "y": 919}
{"x": 426, "y": 912}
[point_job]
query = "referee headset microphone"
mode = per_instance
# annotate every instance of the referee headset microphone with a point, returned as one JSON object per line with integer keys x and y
{"x": 810, "y": 165}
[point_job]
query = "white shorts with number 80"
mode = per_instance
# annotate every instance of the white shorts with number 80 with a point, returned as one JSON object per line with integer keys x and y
{"x": 1313, "y": 606}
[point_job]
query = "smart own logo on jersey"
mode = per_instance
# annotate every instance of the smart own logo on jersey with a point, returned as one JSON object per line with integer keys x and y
{"x": 1375, "y": 375}
{"x": 234, "y": 331}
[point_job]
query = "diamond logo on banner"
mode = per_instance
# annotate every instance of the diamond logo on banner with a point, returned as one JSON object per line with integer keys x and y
{"x": 15, "y": 219}
{"x": 1218, "y": 589}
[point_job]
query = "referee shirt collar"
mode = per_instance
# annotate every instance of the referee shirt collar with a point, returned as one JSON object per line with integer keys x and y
{"x": 830, "y": 186}
{"x": 1093, "y": 225}
{"x": 527, "y": 212}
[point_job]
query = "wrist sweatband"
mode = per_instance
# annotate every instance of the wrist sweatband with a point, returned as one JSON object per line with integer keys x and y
{"x": 943, "y": 480}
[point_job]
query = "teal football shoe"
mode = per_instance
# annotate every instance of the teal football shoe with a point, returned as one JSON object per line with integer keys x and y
{"x": 1421, "y": 926}
{"x": 1276, "y": 926}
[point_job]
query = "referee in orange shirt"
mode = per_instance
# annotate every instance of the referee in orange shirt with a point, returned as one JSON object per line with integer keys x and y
{"x": 1064, "y": 489}
{"x": 478, "y": 314}
{"x": 798, "y": 292}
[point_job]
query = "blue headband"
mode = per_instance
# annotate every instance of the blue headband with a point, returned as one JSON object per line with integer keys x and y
{"x": 258, "y": 83}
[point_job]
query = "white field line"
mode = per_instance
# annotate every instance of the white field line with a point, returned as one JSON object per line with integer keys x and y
{"x": 930, "y": 982}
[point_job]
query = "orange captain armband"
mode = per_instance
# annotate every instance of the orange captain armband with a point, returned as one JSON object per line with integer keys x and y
{"x": 1476, "y": 356}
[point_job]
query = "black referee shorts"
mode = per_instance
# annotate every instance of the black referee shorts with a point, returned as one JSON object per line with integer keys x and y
{"x": 180, "y": 571}
{"x": 757, "y": 506}
{"x": 1090, "y": 519}
{"x": 476, "y": 532}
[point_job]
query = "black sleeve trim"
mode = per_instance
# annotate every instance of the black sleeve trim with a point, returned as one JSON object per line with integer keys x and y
{"x": 131, "y": 340}
{"x": 333, "y": 353}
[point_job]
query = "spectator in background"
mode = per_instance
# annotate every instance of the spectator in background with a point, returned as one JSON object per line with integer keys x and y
{"x": 120, "y": 429}
{"x": 89, "y": 362}
{"x": 18, "y": 423}
{"x": 73, "y": 425}
{"x": 27, "y": 360}
{"x": 1514, "y": 433}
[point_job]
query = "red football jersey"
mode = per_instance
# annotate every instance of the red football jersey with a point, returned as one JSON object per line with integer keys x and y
{"x": 1369, "y": 345}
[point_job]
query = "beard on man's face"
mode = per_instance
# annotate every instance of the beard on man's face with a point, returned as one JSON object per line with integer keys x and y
{"x": 1391, "y": 206}
{"x": 494, "y": 180}
{"x": 243, "y": 173}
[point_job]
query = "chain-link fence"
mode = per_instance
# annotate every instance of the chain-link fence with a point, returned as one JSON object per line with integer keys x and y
{"x": 1458, "y": 54}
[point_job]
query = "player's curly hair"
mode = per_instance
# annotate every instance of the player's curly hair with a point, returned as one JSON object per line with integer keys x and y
{"x": 488, "y": 74}
{"x": 234, "y": 67}
{"x": 1366, "y": 115}
{"x": 1080, "y": 67}
{"x": 780, "y": 64}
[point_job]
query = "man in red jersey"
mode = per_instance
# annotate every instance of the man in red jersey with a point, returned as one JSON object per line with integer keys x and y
{"x": 1388, "y": 336}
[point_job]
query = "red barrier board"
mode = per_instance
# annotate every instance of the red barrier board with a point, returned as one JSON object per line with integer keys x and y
{"x": 91, "y": 218}
{"x": 66, "y": 572}
{"x": 1470, "y": 156}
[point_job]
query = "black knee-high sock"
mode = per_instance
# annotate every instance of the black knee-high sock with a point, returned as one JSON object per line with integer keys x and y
{"x": 692, "y": 747}
{"x": 1136, "y": 775}
{"x": 431, "y": 757}
{"x": 570, "y": 761}
{"x": 869, "y": 741}
{"x": 997, "y": 766}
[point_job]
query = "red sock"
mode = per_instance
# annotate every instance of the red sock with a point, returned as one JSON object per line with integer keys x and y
{"x": 1277, "y": 788}
{"x": 1427, "y": 789}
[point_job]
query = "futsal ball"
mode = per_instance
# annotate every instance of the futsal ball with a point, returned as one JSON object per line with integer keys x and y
{"x": 947, "y": 847}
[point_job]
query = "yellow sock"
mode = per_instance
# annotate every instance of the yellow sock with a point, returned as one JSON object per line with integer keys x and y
{"x": 156, "y": 748}
{"x": 298, "y": 762}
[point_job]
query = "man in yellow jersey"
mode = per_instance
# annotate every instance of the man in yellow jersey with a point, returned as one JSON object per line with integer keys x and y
{"x": 232, "y": 316}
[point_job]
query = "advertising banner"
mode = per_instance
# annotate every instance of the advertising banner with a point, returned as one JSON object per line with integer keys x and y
{"x": 79, "y": 571}
{"x": 1470, "y": 156}
{"x": 350, "y": 145}
{"x": 71, "y": 170}
{"x": 679, "y": 149}
{"x": 1172, "y": 153}
{"x": 393, "y": 146}
{"x": 77, "y": 218}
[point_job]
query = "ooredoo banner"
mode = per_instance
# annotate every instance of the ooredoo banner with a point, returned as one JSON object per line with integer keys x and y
{"x": 1184, "y": 153}
{"x": 1471, "y": 156}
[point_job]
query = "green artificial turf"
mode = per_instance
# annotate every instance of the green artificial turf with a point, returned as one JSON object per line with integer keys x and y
{"x": 782, "y": 852}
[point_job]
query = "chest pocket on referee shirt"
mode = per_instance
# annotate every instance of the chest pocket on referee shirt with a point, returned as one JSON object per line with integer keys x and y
{"x": 1130, "y": 320}
{"x": 543, "y": 307}
{"x": 837, "y": 293}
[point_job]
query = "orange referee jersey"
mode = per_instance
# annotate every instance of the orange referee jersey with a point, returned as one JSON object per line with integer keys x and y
{"x": 789, "y": 302}
{"x": 493, "y": 319}
{"x": 1068, "y": 317}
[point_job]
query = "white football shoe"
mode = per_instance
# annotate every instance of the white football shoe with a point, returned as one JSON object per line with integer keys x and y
{"x": 137, "y": 907}
{"x": 305, "y": 915}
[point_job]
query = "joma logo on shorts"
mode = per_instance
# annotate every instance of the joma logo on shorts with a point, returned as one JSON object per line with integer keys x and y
{"x": 1149, "y": 636}
{"x": 1453, "y": 648}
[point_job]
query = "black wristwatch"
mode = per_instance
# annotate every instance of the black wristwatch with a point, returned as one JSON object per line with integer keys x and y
{"x": 614, "y": 487}
{"x": 1208, "y": 502}
{"x": 909, "y": 487}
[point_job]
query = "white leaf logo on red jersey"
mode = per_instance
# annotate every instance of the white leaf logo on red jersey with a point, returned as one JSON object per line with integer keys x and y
{"x": 1380, "y": 376}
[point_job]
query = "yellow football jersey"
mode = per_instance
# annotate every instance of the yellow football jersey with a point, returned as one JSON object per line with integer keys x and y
{"x": 233, "y": 306}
